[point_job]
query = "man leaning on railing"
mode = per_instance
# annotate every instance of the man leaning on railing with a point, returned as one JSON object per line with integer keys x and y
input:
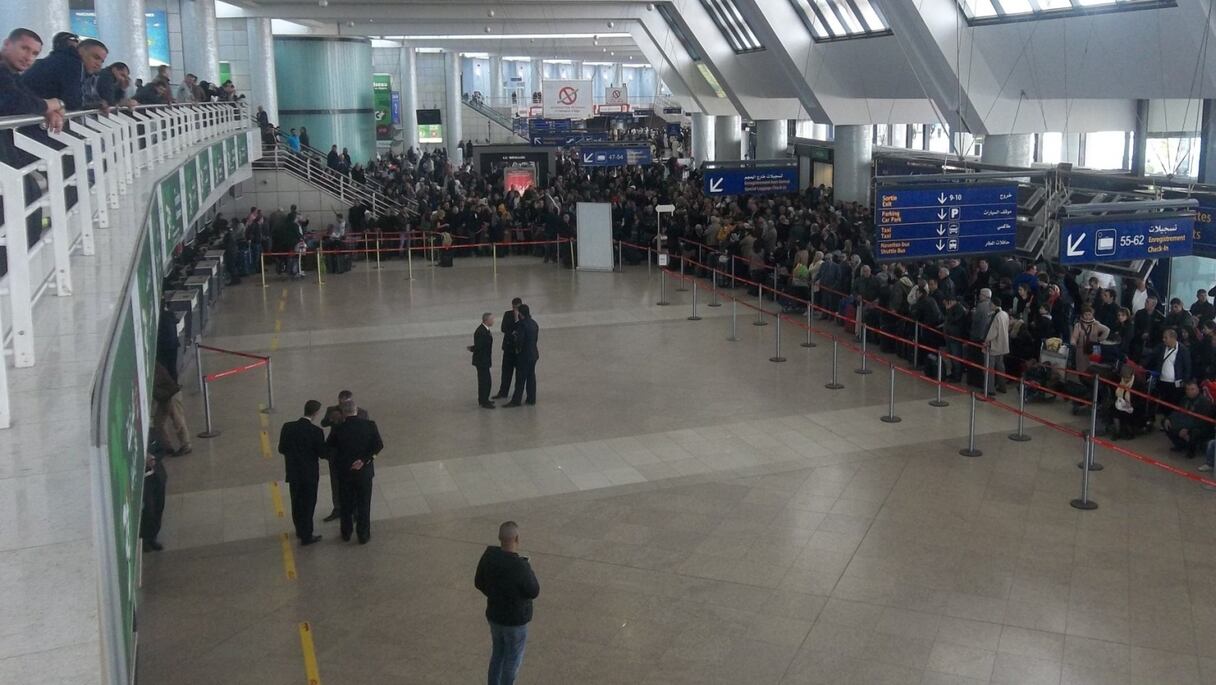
{"x": 20, "y": 49}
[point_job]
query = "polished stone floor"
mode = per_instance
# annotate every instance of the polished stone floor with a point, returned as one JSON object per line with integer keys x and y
{"x": 695, "y": 512}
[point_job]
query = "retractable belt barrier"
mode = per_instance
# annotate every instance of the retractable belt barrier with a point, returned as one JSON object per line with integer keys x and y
{"x": 206, "y": 379}
{"x": 1088, "y": 439}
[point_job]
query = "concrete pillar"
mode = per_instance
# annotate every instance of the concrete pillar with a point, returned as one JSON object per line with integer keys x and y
{"x": 409, "y": 96}
{"x": 728, "y": 138}
{"x": 534, "y": 84}
{"x": 122, "y": 26}
{"x": 263, "y": 86}
{"x": 200, "y": 42}
{"x": 1207, "y": 143}
{"x": 702, "y": 137}
{"x": 618, "y": 74}
{"x": 851, "y": 166}
{"x": 46, "y": 18}
{"x": 1012, "y": 149}
{"x": 453, "y": 132}
{"x": 496, "y": 92}
{"x": 578, "y": 69}
{"x": 772, "y": 138}
{"x": 1140, "y": 139}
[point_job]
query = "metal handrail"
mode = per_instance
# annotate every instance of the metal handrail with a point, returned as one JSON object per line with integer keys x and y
{"x": 308, "y": 169}
{"x": 493, "y": 115}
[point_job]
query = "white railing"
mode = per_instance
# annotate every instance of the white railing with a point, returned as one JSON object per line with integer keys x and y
{"x": 51, "y": 211}
{"x": 341, "y": 186}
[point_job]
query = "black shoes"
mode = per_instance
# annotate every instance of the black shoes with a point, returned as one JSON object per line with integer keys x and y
{"x": 531, "y": 403}
{"x": 310, "y": 541}
{"x": 346, "y": 537}
{"x": 486, "y": 405}
{"x": 363, "y": 540}
{"x": 333, "y": 516}
{"x": 512, "y": 404}
{"x": 500, "y": 396}
{"x": 152, "y": 546}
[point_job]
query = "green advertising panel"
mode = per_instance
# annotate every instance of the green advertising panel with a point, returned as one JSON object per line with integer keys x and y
{"x": 204, "y": 173}
{"x": 242, "y": 150}
{"x": 217, "y": 163}
{"x": 230, "y": 154}
{"x": 190, "y": 177}
{"x": 382, "y": 104}
{"x": 125, "y": 429}
{"x": 171, "y": 210}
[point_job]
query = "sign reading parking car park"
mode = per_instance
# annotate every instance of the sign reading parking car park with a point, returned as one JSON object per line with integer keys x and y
{"x": 750, "y": 178}
{"x": 945, "y": 221}
{"x": 636, "y": 155}
{"x": 567, "y": 99}
{"x": 1127, "y": 238}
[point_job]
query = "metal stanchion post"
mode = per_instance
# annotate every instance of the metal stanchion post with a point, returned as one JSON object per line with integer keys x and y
{"x": 198, "y": 360}
{"x": 810, "y": 327}
{"x": 377, "y": 250}
{"x": 573, "y": 263}
{"x": 682, "y": 289}
{"x": 620, "y": 255}
{"x": 732, "y": 273}
{"x": 759, "y": 306}
{"x": 713, "y": 289}
{"x": 777, "y": 356}
{"x": 835, "y": 384}
{"x": 916, "y": 344}
{"x": 734, "y": 320}
{"x": 319, "y": 261}
{"x": 1093, "y": 429}
{"x": 1021, "y": 436}
{"x": 210, "y": 432}
{"x": 859, "y": 321}
{"x": 891, "y": 417}
{"x": 864, "y": 369}
{"x": 988, "y": 371}
{"x": 938, "y": 401}
{"x": 971, "y": 450}
{"x": 262, "y": 267}
{"x": 1084, "y": 502}
{"x": 662, "y": 288}
{"x": 409, "y": 255}
{"x": 647, "y": 260}
{"x": 269, "y": 386}
{"x": 694, "y": 316}
{"x": 774, "y": 286}
{"x": 494, "y": 257}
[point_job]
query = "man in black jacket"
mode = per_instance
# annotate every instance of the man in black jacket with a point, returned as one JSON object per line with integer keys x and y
{"x": 509, "y": 319}
{"x": 333, "y": 417}
{"x": 61, "y": 74}
{"x": 527, "y": 354}
{"x": 302, "y": 444}
{"x": 354, "y": 444}
{"x": 483, "y": 355}
{"x": 507, "y": 581}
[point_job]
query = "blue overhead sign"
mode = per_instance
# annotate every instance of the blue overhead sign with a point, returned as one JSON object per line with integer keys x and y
{"x": 1205, "y": 232}
{"x": 918, "y": 221}
{"x": 632, "y": 155}
{"x": 538, "y": 126}
{"x": 750, "y": 178}
{"x": 1123, "y": 239}
{"x": 566, "y": 139}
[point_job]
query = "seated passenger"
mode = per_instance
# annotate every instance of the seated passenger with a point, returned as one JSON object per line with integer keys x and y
{"x": 1187, "y": 431}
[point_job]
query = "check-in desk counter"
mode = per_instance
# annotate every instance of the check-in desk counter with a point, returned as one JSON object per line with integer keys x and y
{"x": 201, "y": 285}
{"x": 186, "y": 305}
{"x": 211, "y": 270}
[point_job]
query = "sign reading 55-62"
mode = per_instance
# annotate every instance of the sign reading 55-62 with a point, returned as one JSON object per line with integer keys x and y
{"x": 1123, "y": 239}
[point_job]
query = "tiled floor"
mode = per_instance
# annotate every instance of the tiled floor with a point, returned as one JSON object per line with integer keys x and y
{"x": 695, "y": 513}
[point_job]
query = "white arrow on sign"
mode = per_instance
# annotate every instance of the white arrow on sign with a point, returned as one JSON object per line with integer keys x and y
{"x": 715, "y": 185}
{"x": 536, "y": 141}
{"x": 941, "y": 215}
{"x": 588, "y": 157}
{"x": 1074, "y": 244}
{"x": 940, "y": 246}
{"x": 941, "y": 230}
{"x": 941, "y": 199}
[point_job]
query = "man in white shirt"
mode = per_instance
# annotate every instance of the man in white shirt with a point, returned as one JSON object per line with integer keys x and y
{"x": 1139, "y": 296}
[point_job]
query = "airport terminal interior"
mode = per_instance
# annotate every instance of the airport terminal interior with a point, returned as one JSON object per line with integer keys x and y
{"x": 749, "y": 342}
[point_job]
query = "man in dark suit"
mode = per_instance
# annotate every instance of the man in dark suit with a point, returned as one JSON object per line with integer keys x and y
{"x": 526, "y": 335}
{"x": 483, "y": 356}
{"x": 333, "y": 416}
{"x": 354, "y": 444}
{"x": 509, "y": 318}
{"x": 302, "y": 444}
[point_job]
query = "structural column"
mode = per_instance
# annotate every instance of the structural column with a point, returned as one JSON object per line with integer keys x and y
{"x": 851, "y": 166}
{"x": 409, "y": 96}
{"x": 122, "y": 26}
{"x": 538, "y": 76}
{"x": 200, "y": 42}
{"x": 1140, "y": 138}
{"x": 772, "y": 138}
{"x": 702, "y": 137}
{"x": 728, "y": 138}
{"x": 263, "y": 86}
{"x": 496, "y": 96}
{"x": 618, "y": 74}
{"x": 336, "y": 105}
{"x": 1013, "y": 149}
{"x": 46, "y": 18}
{"x": 455, "y": 109}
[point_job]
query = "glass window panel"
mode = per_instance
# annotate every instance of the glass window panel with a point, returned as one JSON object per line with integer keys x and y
{"x": 1051, "y": 147}
{"x": 1015, "y": 6}
{"x": 870, "y": 15}
{"x": 986, "y": 11}
{"x": 939, "y": 141}
{"x": 1104, "y": 150}
{"x": 834, "y": 25}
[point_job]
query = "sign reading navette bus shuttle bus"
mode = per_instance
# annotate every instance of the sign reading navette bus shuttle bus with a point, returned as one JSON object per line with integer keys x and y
{"x": 567, "y": 99}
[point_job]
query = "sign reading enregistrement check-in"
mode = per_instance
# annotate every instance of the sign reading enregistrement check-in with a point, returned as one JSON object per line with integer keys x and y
{"x": 1126, "y": 238}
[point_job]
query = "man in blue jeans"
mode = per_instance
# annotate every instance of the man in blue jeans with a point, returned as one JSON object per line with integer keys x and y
{"x": 507, "y": 581}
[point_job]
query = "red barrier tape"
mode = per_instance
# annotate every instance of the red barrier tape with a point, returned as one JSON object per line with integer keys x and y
{"x": 424, "y": 249}
{"x": 211, "y": 378}
{"x": 1169, "y": 468}
{"x": 233, "y": 352}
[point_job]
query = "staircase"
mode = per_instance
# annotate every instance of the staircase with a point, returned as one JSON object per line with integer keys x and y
{"x": 497, "y": 116}
{"x": 309, "y": 165}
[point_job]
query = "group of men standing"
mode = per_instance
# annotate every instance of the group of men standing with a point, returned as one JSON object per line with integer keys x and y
{"x": 351, "y": 449}
{"x": 519, "y": 356}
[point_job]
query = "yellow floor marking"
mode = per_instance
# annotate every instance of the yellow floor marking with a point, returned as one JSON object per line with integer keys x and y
{"x": 265, "y": 440}
{"x": 276, "y": 496}
{"x": 282, "y": 306}
{"x": 289, "y": 557}
{"x": 278, "y": 325}
{"x": 310, "y": 654}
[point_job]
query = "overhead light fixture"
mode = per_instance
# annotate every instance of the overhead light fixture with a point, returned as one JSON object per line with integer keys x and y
{"x": 519, "y": 36}
{"x": 489, "y": 13}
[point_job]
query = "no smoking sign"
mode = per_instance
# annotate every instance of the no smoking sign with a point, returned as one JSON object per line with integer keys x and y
{"x": 567, "y": 95}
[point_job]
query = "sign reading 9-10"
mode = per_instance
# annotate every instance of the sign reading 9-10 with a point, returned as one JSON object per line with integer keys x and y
{"x": 917, "y": 221}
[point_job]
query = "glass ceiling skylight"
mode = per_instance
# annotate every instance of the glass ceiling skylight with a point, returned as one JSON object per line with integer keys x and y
{"x": 836, "y": 19}
{"x": 994, "y": 11}
{"x": 734, "y": 27}
{"x": 668, "y": 14}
